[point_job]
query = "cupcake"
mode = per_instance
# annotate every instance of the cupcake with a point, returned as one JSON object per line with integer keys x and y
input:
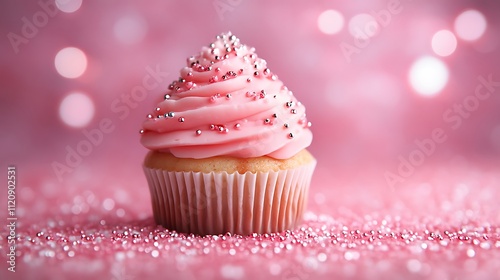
{"x": 228, "y": 146}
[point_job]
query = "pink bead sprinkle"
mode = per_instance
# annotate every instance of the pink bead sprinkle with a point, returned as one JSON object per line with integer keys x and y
{"x": 213, "y": 79}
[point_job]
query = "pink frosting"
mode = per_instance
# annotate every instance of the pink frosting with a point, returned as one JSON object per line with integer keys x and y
{"x": 227, "y": 102}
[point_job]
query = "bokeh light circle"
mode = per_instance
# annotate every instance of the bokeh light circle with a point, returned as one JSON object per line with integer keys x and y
{"x": 444, "y": 43}
{"x": 330, "y": 22}
{"x": 70, "y": 62}
{"x": 130, "y": 29}
{"x": 470, "y": 25}
{"x": 428, "y": 75}
{"x": 76, "y": 109}
{"x": 68, "y": 6}
{"x": 363, "y": 26}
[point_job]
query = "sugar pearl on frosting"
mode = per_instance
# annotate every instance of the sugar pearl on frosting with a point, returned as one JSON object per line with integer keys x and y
{"x": 198, "y": 132}
{"x": 262, "y": 94}
{"x": 213, "y": 79}
{"x": 214, "y": 97}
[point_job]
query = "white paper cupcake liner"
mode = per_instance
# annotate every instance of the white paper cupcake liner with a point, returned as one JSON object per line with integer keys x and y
{"x": 218, "y": 202}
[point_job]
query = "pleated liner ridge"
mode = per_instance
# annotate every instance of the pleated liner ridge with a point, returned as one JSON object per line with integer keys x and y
{"x": 218, "y": 202}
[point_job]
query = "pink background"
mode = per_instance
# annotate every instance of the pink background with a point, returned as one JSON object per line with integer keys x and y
{"x": 366, "y": 118}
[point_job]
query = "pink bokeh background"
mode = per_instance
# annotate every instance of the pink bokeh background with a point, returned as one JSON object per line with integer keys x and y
{"x": 365, "y": 111}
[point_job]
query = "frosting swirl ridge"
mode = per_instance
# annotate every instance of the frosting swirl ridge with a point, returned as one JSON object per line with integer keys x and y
{"x": 226, "y": 102}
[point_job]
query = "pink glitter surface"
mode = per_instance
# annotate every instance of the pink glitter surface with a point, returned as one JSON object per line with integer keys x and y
{"x": 405, "y": 120}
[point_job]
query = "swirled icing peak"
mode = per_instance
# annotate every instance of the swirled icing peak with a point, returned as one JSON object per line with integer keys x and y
{"x": 227, "y": 102}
